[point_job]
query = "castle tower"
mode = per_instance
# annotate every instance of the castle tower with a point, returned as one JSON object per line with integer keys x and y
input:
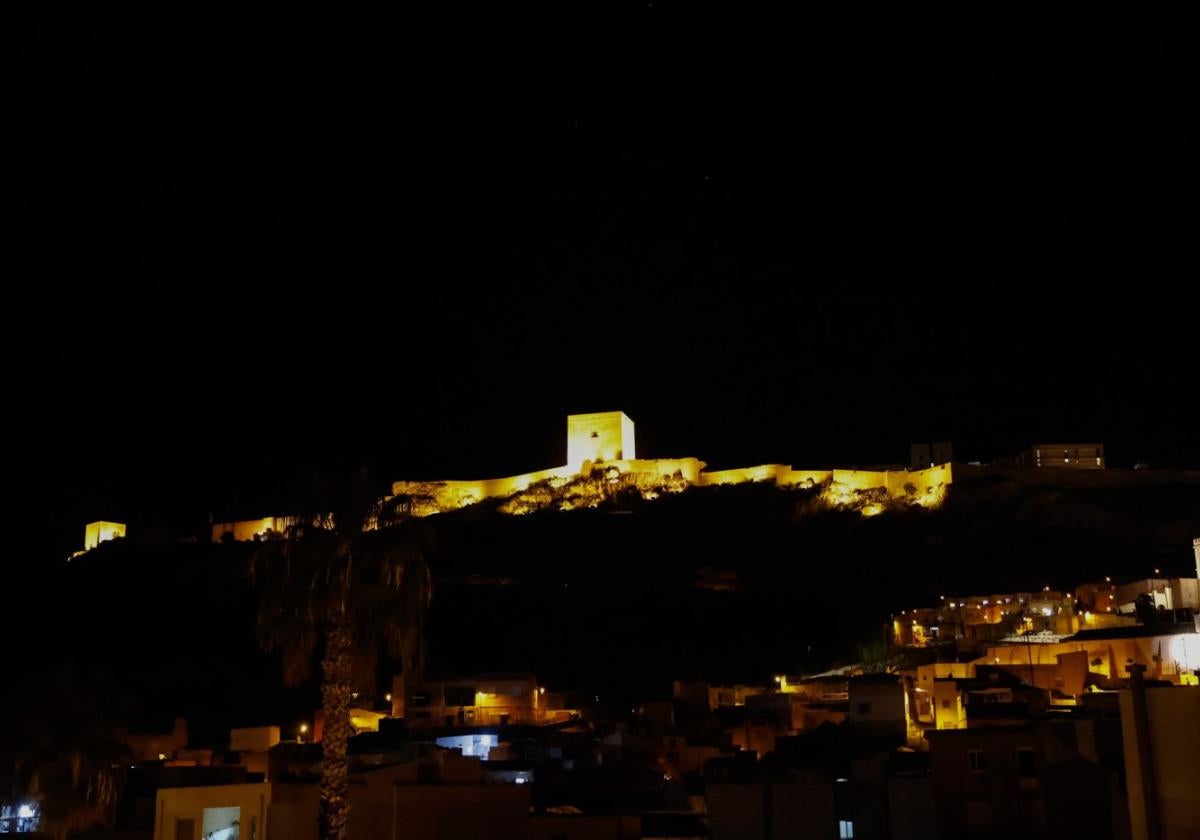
{"x": 606, "y": 436}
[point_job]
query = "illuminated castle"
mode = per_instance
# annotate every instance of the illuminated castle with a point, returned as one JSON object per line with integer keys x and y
{"x": 601, "y": 447}
{"x": 598, "y": 438}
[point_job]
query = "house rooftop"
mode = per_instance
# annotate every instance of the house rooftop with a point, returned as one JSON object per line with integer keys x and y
{"x": 879, "y": 678}
{"x": 1137, "y": 631}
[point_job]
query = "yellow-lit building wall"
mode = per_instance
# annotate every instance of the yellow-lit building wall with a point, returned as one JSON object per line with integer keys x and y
{"x": 600, "y": 437}
{"x": 95, "y": 533}
{"x": 365, "y": 720}
{"x": 248, "y": 530}
{"x": 520, "y": 699}
{"x": 928, "y": 674}
{"x": 453, "y": 494}
{"x": 690, "y": 469}
{"x": 732, "y": 695}
{"x": 1165, "y": 657}
{"x": 763, "y": 472}
{"x": 948, "y": 708}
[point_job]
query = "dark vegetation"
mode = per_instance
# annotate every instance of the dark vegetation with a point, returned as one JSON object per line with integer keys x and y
{"x": 716, "y": 583}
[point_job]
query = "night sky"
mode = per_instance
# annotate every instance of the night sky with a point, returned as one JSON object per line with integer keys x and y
{"x": 253, "y": 244}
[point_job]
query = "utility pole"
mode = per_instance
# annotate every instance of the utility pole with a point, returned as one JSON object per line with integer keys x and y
{"x": 1029, "y": 654}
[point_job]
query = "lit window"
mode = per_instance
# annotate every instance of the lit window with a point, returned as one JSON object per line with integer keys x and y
{"x": 845, "y": 829}
{"x": 975, "y": 762}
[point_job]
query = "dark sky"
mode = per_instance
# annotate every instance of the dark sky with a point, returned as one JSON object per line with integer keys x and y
{"x": 253, "y": 242}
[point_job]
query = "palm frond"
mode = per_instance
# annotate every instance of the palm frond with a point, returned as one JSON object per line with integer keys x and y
{"x": 379, "y": 578}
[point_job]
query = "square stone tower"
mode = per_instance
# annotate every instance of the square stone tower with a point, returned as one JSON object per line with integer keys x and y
{"x": 606, "y": 436}
{"x": 95, "y": 533}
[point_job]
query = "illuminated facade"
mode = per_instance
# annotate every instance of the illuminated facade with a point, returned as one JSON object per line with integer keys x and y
{"x": 220, "y": 812}
{"x": 483, "y": 700}
{"x": 95, "y": 533}
{"x": 601, "y": 456}
{"x": 599, "y": 438}
{"x": 1073, "y": 456}
{"x": 990, "y": 617}
{"x": 250, "y": 530}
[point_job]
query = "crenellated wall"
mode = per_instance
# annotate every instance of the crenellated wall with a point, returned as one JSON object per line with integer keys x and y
{"x": 452, "y": 494}
{"x": 863, "y": 490}
{"x": 605, "y": 440}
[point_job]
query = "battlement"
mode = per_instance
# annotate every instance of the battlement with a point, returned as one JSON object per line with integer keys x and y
{"x": 603, "y": 444}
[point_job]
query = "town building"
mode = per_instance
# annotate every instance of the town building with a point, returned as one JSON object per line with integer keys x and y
{"x": 924, "y": 455}
{"x": 989, "y": 618}
{"x": 481, "y": 700}
{"x": 213, "y": 812}
{"x": 1073, "y": 456}
{"x": 1168, "y": 594}
{"x": 1023, "y": 775}
{"x": 1161, "y": 740}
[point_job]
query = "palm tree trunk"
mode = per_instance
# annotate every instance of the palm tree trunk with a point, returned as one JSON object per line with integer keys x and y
{"x": 335, "y": 703}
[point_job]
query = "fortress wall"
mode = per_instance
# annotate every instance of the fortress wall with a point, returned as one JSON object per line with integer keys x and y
{"x": 925, "y": 481}
{"x": 929, "y": 484}
{"x": 449, "y": 495}
{"x": 860, "y": 479}
{"x": 689, "y": 468}
{"x": 792, "y": 477}
{"x": 763, "y": 472}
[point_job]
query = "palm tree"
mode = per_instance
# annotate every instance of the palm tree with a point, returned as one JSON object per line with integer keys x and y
{"x": 356, "y": 582}
{"x": 60, "y": 748}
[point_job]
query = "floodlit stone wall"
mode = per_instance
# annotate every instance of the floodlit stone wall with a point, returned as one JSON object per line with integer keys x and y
{"x": 867, "y": 491}
{"x": 603, "y": 437}
{"x": 95, "y": 533}
{"x": 601, "y": 460}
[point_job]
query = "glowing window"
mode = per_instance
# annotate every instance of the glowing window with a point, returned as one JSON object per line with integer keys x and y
{"x": 845, "y": 829}
{"x": 221, "y": 823}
